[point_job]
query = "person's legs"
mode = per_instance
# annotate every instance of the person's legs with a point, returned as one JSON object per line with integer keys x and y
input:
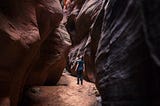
{"x": 81, "y": 78}
{"x": 78, "y": 77}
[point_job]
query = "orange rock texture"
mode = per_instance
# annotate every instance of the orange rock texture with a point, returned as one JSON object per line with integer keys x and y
{"x": 33, "y": 46}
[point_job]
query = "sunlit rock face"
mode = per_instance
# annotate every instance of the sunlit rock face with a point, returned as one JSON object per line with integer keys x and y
{"x": 33, "y": 45}
{"x": 80, "y": 17}
{"x": 121, "y": 45}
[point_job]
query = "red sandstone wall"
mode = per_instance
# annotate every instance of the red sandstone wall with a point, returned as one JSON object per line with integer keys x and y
{"x": 33, "y": 46}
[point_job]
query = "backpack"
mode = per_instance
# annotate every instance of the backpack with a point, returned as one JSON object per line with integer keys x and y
{"x": 80, "y": 65}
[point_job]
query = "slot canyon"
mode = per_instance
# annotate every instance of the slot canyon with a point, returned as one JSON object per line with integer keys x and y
{"x": 40, "y": 41}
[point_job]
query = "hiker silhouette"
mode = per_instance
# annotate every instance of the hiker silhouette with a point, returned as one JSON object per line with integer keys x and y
{"x": 80, "y": 68}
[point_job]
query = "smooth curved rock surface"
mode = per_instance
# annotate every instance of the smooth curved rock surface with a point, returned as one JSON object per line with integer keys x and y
{"x": 79, "y": 23}
{"x": 29, "y": 36}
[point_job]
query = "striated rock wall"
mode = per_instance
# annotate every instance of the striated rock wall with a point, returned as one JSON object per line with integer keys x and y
{"x": 33, "y": 46}
{"x": 127, "y": 67}
{"x": 120, "y": 44}
{"x": 122, "y": 57}
{"x": 79, "y": 20}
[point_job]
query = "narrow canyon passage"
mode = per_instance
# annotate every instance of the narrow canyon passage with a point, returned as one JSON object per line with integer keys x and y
{"x": 119, "y": 41}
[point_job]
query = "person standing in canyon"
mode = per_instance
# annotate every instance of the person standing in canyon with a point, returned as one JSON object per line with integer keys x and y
{"x": 80, "y": 68}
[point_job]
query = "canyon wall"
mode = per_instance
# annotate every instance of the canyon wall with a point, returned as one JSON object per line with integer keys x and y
{"x": 120, "y": 44}
{"x": 119, "y": 40}
{"x": 33, "y": 46}
{"x": 80, "y": 17}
